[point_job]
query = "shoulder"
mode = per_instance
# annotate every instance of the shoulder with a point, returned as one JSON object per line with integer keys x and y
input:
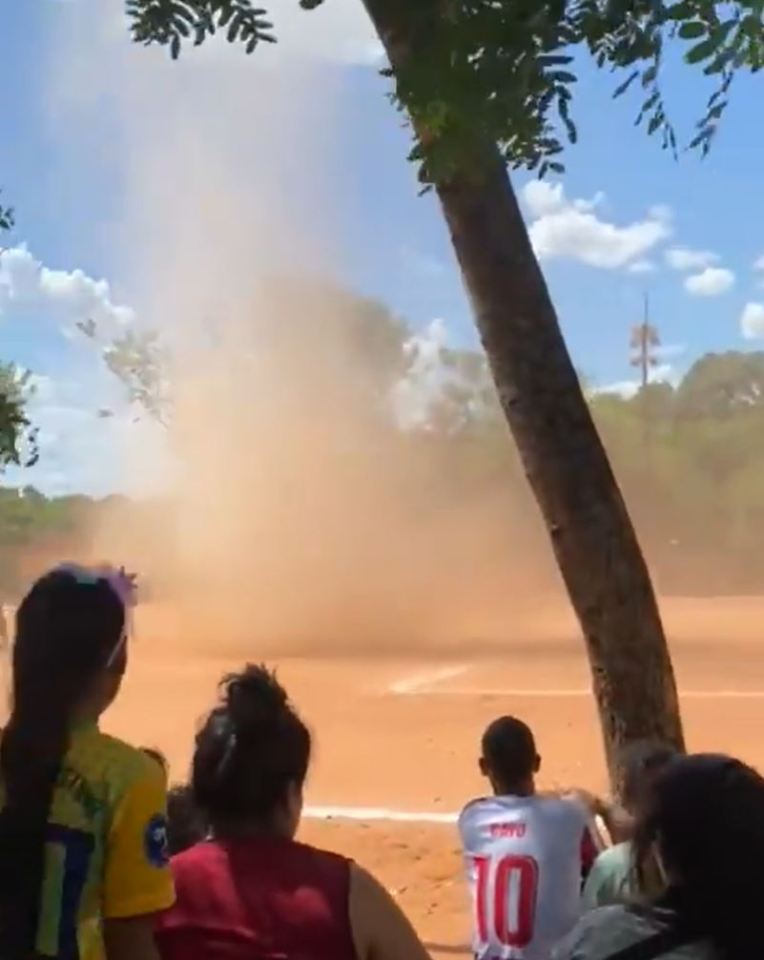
{"x": 576, "y": 804}
{"x": 290, "y": 856}
{"x": 117, "y": 765}
{"x": 477, "y": 803}
{"x": 614, "y": 858}
{"x": 129, "y": 767}
{"x": 325, "y": 860}
{"x": 202, "y": 867}
{"x": 115, "y": 756}
{"x": 609, "y": 879}
{"x": 472, "y": 814}
{"x": 567, "y": 810}
{"x": 199, "y": 857}
{"x": 607, "y": 930}
{"x": 604, "y": 931}
{"x": 474, "y": 806}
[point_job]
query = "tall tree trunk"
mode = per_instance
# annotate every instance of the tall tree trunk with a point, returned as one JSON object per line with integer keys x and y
{"x": 566, "y": 465}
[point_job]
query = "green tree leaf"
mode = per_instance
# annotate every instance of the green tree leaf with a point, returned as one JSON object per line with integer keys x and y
{"x": 692, "y": 30}
{"x": 701, "y": 51}
{"x": 500, "y": 68}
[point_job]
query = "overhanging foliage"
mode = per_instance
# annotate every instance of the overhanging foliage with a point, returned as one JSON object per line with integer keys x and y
{"x": 507, "y": 69}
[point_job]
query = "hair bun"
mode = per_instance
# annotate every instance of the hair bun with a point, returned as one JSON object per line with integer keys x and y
{"x": 255, "y": 699}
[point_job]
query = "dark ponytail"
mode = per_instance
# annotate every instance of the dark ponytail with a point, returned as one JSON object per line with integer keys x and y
{"x": 68, "y": 630}
{"x": 251, "y": 748}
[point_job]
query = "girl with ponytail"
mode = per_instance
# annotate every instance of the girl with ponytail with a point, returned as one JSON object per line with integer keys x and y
{"x": 252, "y": 890}
{"x": 83, "y": 864}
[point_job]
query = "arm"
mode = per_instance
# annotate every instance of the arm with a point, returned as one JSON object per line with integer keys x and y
{"x": 380, "y": 929}
{"x": 130, "y": 939}
{"x": 591, "y": 847}
{"x": 617, "y": 822}
{"x": 590, "y": 897}
{"x": 137, "y": 880}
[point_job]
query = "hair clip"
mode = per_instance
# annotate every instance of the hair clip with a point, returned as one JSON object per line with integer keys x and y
{"x": 121, "y": 582}
{"x": 124, "y": 584}
{"x": 81, "y": 575}
{"x": 225, "y": 761}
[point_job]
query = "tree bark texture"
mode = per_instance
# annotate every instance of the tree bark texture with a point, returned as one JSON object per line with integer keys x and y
{"x": 592, "y": 535}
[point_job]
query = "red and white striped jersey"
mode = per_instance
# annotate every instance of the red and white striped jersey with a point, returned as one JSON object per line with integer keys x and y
{"x": 526, "y": 858}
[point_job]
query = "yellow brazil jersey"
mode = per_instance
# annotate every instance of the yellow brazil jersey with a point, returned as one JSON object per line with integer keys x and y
{"x": 106, "y": 850}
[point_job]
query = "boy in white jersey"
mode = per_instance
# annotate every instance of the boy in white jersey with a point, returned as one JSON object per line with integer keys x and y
{"x": 526, "y": 854}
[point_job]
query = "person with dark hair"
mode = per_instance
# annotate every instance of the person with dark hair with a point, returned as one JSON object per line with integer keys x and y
{"x": 252, "y": 890}
{"x": 185, "y": 823}
{"x": 704, "y": 827}
{"x": 83, "y": 860}
{"x": 526, "y": 853}
{"x": 611, "y": 877}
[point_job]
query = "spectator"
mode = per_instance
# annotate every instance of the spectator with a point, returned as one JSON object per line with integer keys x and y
{"x": 82, "y": 830}
{"x": 526, "y": 854}
{"x": 705, "y": 828}
{"x": 611, "y": 877}
{"x": 185, "y": 823}
{"x": 252, "y": 890}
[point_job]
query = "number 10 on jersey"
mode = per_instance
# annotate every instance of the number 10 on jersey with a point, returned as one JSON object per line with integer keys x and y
{"x": 505, "y": 899}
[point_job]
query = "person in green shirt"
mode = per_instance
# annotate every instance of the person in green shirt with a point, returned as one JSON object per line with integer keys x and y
{"x": 610, "y": 879}
{"x": 704, "y": 833}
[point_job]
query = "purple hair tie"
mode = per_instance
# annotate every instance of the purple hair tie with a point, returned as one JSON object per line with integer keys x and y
{"x": 123, "y": 584}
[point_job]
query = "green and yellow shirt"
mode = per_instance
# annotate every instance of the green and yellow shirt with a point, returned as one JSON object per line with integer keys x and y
{"x": 106, "y": 851}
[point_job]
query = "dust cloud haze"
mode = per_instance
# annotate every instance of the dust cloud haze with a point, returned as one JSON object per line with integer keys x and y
{"x": 293, "y": 518}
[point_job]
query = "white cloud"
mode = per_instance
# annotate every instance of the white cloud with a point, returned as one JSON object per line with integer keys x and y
{"x": 669, "y": 351}
{"x": 542, "y": 197}
{"x": 82, "y": 452}
{"x": 414, "y": 393}
{"x": 573, "y": 229}
{"x": 752, "y": 321}
{"x": 79, "y": 451}
{"x": 339, "y": 31}
{"x": 759, "y": 263}
{"x": 682, "y": 258}
{"x": 621, "y": 388}
{"x": 663, "y": 373}
{"x": 710, "y": 282}
{"x": 642, "y": 267}
{"x": 71, "y": 296}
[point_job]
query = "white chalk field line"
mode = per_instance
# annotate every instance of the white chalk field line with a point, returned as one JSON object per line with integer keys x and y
{"x": 562, "y": 692}
{"x": 378, "y": 814}
{"x": 427, "y": 684}
{"x": 430, "y": 685}
{"x": 418, "y": 682}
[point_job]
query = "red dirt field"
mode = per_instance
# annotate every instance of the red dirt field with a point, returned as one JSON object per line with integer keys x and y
{"x": 401, "y": 732}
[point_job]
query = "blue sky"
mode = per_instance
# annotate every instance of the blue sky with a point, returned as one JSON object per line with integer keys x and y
{"x": 625, "y": 219}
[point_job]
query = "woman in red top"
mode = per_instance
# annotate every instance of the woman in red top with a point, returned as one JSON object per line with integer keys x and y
{"x": 252, "y": 892}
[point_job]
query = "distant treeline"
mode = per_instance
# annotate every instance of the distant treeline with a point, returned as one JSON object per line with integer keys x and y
{"x": 690, "y": 459}
{"x": 37, "y": 531}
